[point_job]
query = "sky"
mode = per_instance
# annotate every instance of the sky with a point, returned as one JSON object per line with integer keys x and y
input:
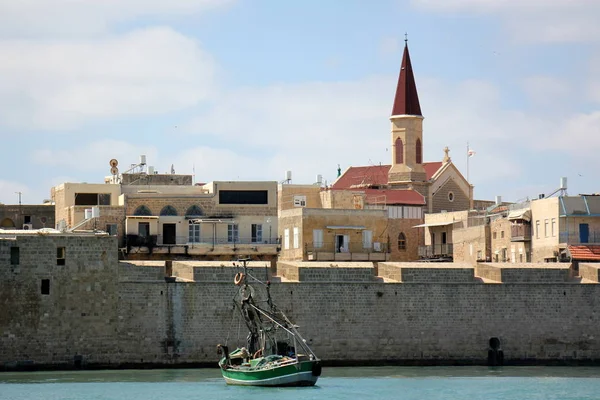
{"x": 249, "y": 89}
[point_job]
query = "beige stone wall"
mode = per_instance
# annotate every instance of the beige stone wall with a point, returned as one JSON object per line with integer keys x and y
{"x": 590, "y": 272}
{"x": 525, "y": 272}
{"x": 471, "y": 244}
{"x": 501, "y": 240}
{"x": 343, "y": 199}
{"x": 544, "y": 242}
{"x": 414, "y": 239}
{"x": 287, "y": 192}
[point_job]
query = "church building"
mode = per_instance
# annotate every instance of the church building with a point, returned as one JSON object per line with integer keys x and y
{"x": 437, "y": 185}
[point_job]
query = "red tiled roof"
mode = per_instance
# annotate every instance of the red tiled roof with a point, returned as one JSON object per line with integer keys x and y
{"x": 585, "y": 253}
{"x": 406, "y": 101}
{"x": 431, "y": 168}
{"x": 399, "y": 196}
{"x": 363, "y": 177}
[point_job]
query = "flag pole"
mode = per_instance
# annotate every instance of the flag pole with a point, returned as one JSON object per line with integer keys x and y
{"x": 468, "y": 162}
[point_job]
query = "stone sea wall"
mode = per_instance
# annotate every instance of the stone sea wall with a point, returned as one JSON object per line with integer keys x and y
{"x": 102, "y": 313}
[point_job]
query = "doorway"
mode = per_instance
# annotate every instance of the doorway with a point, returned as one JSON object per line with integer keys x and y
{"x": 169, "y": 236}
{"x": 584, "y": 233}
{"x": 342, "y": 243}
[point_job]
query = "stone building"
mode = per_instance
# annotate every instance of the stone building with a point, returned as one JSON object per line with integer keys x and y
{"x": 565, "y": 227}
{"x": 440, "y": 183}
{"x": 26, "y": 216}
{"x": 165, "y": 216}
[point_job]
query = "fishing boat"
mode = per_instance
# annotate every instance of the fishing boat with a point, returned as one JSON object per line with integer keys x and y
{"x": 274, "y": 352}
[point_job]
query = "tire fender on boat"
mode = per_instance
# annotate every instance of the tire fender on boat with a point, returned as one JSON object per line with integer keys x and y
{"x": 239, "y": 277}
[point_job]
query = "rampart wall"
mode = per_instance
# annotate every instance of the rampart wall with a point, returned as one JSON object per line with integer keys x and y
{"x": 103, "y": 313}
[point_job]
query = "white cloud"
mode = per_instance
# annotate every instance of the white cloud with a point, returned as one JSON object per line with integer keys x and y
{"x": 579, "y": 135}
{"x": 555, "y": 21}
{"x": 27, "y": 18}
{"x": 63, "y": 84}
{"x": 546, "y": 90}
{"x": 94, "y": 157}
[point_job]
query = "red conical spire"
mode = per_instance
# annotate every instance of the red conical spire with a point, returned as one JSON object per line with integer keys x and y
{"x": 406, "y": 101}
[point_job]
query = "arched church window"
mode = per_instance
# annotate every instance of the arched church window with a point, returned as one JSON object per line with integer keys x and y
{"x": 193, "y": 211}
{"x": 143, "y": 211}
{"x": 399, "y": 151}
{"x": 401, "y": 241}
{"x": 419, "y": 149}
{"x": 168, "y": 211}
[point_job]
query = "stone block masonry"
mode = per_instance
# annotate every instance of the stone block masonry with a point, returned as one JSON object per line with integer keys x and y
{"x": 99, "y": 313}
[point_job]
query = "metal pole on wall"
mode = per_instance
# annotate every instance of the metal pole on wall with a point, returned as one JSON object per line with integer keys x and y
{"x": 467, "y": 162}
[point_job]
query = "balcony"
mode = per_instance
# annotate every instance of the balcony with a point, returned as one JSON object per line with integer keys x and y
{"x": 520, "y": 233}
{"x": 436, "y": 251}
{"x": 181, "y": 245}
{"x": 330, "y": 251}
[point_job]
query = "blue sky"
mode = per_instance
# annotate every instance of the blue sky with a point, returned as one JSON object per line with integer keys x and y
{"x": 245, "y": 90}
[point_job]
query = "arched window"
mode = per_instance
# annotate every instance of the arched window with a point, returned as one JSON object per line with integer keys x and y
{"x": 142, "y": 210}
{"x": 419, "y": 155}
{"x": 168, "y": 211}
{"x": 401, "y": 241}
{"x": 399, "y": 151}
{"x": 7, "y": 223}
{"x": 193, "y": 211}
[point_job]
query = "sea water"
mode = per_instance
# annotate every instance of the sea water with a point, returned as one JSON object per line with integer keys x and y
{"x": 448, "y": 383}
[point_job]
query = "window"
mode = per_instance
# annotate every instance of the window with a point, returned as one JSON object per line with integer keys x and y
{"x": 233, "y": 233}
{"x": 14, "y": 256}
{"x": 502, "y": 234}
{"x": 494, "y": 235}
{"x": 194, "y": 211}
{"x": 243, "y": 197}
{"x": 61, "y": 254}
{"x": 256, "y": 233}
{"x": 194, "y": 233}
{"x": 144, "y": 229}
{"x": 296, "y": 237}
{"x": 299, "y": 201}
{"x": 450, "y": 196}
{"x": 168, "y": 211}
{"x": 142, "y": 211}
{"x": 26, "y": 219}
{"x": 399, "y": 151}
{"x": 318, "y": 238}
{"x": 537, "y": 229}
{"x": 546, "y": 228}
{"x": 553, "y": 227}
{"x": 111, "y": 229}
{"x": 45, "y": 286}
{"x": 401, "y": 241}
{"x": 286, "y": 239}
{"x": 419, "y": 151}
{"x": 92, "y": 199}
{"x": 479, "y": 254}
{"x": 367, "y": 237}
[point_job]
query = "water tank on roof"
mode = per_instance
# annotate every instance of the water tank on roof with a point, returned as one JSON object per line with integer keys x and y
{"x": 288, "y": 175}
{"x": 143, "y": 159}
{"x": 498, "y": 200}
{"x": 563, "y": 183}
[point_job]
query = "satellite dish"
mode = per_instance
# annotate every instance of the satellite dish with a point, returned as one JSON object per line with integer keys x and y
{"x": 114, "y": 170}
{"x": 113, "y": 163}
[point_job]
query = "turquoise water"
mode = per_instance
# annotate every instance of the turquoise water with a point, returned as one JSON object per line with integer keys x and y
{"x": 448, "y": 383}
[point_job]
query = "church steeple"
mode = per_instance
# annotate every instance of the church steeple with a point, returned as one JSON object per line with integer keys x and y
{"x": 407, "y": 169}
{"x": 406, "y": 101}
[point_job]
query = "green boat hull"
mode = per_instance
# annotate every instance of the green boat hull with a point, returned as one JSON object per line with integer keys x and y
{"x": 303, "y": 373}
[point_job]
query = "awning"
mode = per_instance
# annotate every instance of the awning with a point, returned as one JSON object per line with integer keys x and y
{"x": 345, "y": 227}
{"x": 434, "y": 224}
{"x": 211, "y": 221}
{"x": 141, "y": 217}
{"x": 524, "y": 214}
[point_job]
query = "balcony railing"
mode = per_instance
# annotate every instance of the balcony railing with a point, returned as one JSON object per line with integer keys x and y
{"x": 574, "y": 237}
{"x": 333, "y": 247}
{"x": 221, "y": 241}
{"x": 436, "y": 250}
{"x": 520, "y": 232}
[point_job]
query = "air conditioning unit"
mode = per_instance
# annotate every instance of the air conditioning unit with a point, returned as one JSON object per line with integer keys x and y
{"x": 27, "y": 227}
